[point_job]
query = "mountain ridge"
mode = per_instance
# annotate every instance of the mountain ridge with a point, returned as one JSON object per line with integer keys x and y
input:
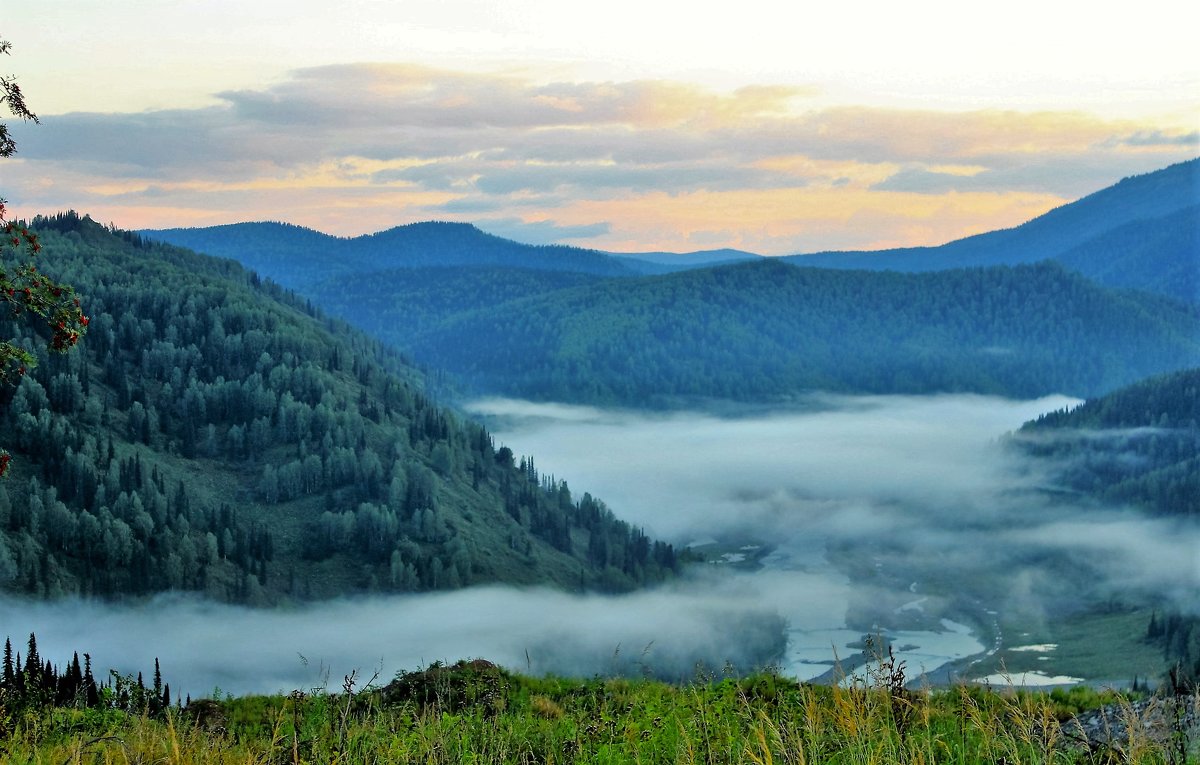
{"x": 1151, "y": 195}
{"x": 1082, "y": 234}
{"x": 526, "y": 309}
{"x": 297, "y": 257}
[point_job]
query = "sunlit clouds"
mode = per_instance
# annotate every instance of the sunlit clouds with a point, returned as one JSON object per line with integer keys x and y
{"x": 624, "y": 165}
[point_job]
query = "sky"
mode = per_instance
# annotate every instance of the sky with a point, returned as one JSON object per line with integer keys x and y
{"x": 627, "y": 126}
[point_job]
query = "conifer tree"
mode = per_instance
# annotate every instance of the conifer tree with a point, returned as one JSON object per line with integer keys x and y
{"x": 33, "y": 662}
{"x": 8, "y": 663}
{"x": 89, "y": 683}
{"x": 157, "y": 696}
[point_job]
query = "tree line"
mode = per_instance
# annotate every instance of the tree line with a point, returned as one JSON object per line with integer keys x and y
{"x": 31, "y": 683}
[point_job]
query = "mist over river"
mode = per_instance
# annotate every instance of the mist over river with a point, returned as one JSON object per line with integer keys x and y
{"x": 905, "y": 518}
{"x": 845, "y": 516}
{"x": 883, "y": 478}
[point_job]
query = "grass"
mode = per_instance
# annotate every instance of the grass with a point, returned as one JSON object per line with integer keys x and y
{"x": 476, "y": 713}
{"x": 1088, "y": 644}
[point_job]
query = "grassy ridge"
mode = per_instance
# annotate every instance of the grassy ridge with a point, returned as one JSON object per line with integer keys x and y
{"x": 474, "y": 712}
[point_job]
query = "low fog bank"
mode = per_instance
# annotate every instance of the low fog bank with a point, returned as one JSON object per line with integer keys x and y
{"x": 688, "y": 474}
{"x": 201, "y": 644}
{"x": 906, "y": 493}
{"x": 891, "y": 513}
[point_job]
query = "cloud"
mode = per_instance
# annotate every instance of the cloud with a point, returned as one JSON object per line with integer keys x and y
{"x": 405, "y": 142}
{"x": 202, "y": 644}
{"x": 793, "y": 220}
{"x": 932, "y": 451}
{"x": 374, "y": 95}
{"x": 1162, "y": 138}
{"x": 1075, "y": 176}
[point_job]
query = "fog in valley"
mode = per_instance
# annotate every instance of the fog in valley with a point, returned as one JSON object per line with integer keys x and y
{"x": 821, "y": 521}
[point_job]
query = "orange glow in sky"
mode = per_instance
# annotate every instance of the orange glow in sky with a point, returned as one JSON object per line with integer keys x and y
{"x": 621, "y": 126}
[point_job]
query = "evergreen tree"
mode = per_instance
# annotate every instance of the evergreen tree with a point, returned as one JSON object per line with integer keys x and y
{"x": 33, "y": 662}
{"x": 8, "y": 664}
{"x": 156, "y": 698}
{"x": 89, "y": 683}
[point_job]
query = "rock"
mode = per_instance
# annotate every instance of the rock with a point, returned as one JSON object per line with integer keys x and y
{"x": 1170, "y": 723}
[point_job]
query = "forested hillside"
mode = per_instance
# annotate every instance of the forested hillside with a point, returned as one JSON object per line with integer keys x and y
{"x": 210, "y": 435}
{"x": 404, "y": 302}
{"x": 767, "y": 329}
{"x": 1139, "y": 444}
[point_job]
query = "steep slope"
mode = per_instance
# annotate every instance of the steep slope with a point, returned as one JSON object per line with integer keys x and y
{"x": 1156, "y": 254}
{"x": 210, "y": 435}
{"x": 299, "y": 258}
{"x": 767, "y": 329}
{"x": 1140, "y": 198}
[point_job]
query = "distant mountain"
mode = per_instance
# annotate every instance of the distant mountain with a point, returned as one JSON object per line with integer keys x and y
{"x": 766, "y": 329}
{"x": 1156, "y": 254}
{"x": 461, "y": 244}
{"x": 212, "y": 434}
{"x": 1128, "y": 212}
{"x": 298, "y": 257}
{"x": 1139, "y": 444}
{"x": 560, "y": 322}
{"x": 1139, "y": 233}
{"x": 405, "y": 302}
{"x": 292, "y": 256}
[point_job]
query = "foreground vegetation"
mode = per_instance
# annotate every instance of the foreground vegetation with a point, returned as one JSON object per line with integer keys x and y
{"x": 474, "y": 712}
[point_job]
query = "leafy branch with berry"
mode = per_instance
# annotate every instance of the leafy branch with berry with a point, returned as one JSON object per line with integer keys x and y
{"x": 24, "y": 290}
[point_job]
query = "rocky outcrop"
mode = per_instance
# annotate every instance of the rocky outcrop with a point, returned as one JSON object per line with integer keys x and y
{"x": 1170, "y": 724}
